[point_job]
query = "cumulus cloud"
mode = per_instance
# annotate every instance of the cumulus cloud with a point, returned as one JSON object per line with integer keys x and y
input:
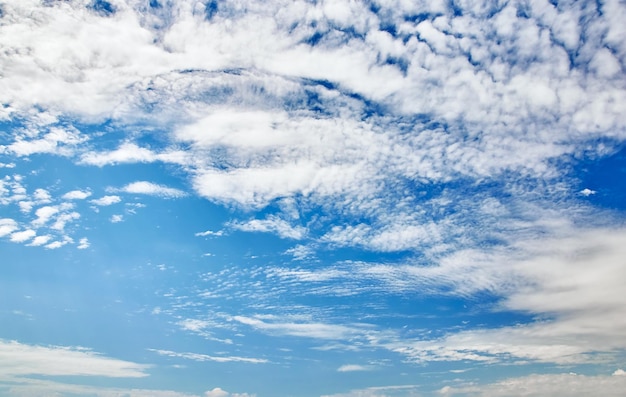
{"x": 25, "y": 235}
{"x": 7, "y": 226}
{"x": 83, "y": 243}
{"x": 106, "y": 200}
{"x": 152, "y": 189}
{"x": 76, "y": 195}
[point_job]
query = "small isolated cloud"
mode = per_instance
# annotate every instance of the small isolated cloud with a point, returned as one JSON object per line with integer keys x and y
{"x": 300, "y": 252}
{"x": 619, "y": 372}
{"x": 587, "y": 192}
{"x": 117, "y": 218}
{"x": 210, "y": 233}
{"x": 40, "y": 240}
{"x": 152, "y": 189}
{"x": 106, "y": 200}
{"x": 217, "y": 392}
{"x": 20, "y": 237}
{"x": 58, "y": 244}
{"x": 353, "y": 368}
{"x": 271, "y": 224}
{"x": 83, "y": 243}
{"x": 76, "y": 195}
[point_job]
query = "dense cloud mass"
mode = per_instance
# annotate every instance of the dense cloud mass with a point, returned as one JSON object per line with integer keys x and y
{"x": 450, "y": 143}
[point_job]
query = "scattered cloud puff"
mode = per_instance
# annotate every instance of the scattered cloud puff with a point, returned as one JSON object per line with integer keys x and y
{"x": 83, "y": 243}
{"x": 587, "y": 192}
{"x": 131, "y": 153}
{"x": 76, "y": 195}
{"x": 40, "y": 240}
{"x": 106, "y": 200}
{"x": 218, "y": 392}
{"x": 271, "y": 224}
{"x": 20, "y": 237}
{"x": 7, "y": 226}
{"x": 117, "y": 218}
{"x": 210, "y": 233}
{"x": 152, "y": 189}
{"x": 353, "y": 368}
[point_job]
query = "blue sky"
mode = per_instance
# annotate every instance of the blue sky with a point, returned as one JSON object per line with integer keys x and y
{"x": 312, "y": 198}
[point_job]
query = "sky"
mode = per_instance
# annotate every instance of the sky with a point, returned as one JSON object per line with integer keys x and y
{"x": 309, "y": 198}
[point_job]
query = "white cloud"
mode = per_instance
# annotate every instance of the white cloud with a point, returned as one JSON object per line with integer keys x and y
{"x": 57, "y": 141}
{"x": 619, "y": 372}
{"x": 587, "y": 192}
{"x": 83, "y": 243}
{"x": 382, "y": 391}
{"x": 353, "y": 368}
{"x": 7, "y": 226}
{"x": 60, "y": 243}
{"x": 301, "y": 252}
{"x": 23, "y": 386}
{"x": 116, "y": 218}
{"x": 302, "y": 329}
{"x": 76, "y": 195}
{"x": 556, "y": 385}
{"x": 106, "y": 200}
{"x": 22, "y": 359}
{"x": 219, "y": 392}
{"x": 44, "y": 214}
{"x": 271, "y": 224}
{"x": 64, "y": 219}
{"x": 129, "y": 152}
{"x": 205, "y": 357}
{"x": 152, "y": 189}
{"x": 210, "y": 233}
{"x": 40, "y": 240}
{"x": 25, "y": 235}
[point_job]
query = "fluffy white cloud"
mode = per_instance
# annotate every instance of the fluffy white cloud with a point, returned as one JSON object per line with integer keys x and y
{"x": 25, "y": 235}
{"x": 106, "y": 200}
{"x": 83, "y": 243}
{"x": 7, "y": 226}
{"x": 76, "y": 195}
{"x": 152, "y": 189}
